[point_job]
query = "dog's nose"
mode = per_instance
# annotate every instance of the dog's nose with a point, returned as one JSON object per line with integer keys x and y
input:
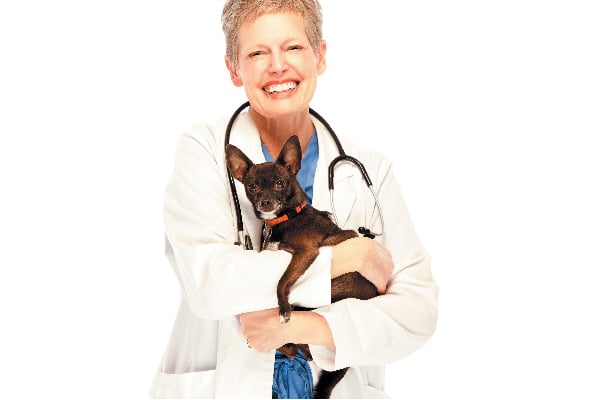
{"x": 265, "y": 203}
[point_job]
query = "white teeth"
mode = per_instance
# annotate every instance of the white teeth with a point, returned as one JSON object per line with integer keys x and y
{"x": 281, "y": 87}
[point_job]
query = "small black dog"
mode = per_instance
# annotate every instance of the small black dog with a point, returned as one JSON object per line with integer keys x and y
{"x": 294, "y": 226}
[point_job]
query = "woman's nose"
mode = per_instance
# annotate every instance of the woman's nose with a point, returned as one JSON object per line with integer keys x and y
{"x": 278, "y": 63}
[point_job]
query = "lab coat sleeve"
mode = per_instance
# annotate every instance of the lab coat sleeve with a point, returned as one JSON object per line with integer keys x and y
{"x": 217, "y": 278}
{"x": 386, "y": 328}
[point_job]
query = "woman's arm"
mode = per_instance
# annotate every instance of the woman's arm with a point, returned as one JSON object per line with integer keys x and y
{"x": 355, "y": 332}
{"x": 388, "y": 327}
{"x": 264, "y": 332}
{"x": 217, "y": 278}
{"x": 263, "y": 329}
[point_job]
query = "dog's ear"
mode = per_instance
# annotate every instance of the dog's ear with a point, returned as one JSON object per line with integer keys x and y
{"x": 237, "y": 162}
{"x": 291, "y": 155}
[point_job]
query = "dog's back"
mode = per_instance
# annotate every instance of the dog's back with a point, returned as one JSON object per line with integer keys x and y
{"x": 312, "y": 225}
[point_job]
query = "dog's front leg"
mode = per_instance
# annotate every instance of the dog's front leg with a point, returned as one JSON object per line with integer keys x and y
{"x": 301, "y": 260}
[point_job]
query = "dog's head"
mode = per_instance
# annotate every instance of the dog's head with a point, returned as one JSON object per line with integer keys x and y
{"x": 272, "y": 186}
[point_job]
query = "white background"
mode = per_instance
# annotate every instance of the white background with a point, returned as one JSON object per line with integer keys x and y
{"x": 489, "y": 109}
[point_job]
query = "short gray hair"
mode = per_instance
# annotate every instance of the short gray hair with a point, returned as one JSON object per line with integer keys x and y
{"x": 237, "y": 12}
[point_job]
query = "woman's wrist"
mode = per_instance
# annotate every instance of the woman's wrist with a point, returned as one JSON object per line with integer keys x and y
{"x": 310, "y": 328}
{"x": 264, "y": 332}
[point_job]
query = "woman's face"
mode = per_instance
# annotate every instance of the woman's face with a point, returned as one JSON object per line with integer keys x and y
{"x": 277, "y": 66}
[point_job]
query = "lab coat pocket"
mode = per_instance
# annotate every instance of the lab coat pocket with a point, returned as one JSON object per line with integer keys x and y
{"x": 199, "y": 384}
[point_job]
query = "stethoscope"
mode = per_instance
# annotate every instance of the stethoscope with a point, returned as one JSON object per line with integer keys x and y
{"x": 244, "y": 238}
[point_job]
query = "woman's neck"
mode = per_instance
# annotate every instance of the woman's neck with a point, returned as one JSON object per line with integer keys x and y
{"x": 275, "y": 132}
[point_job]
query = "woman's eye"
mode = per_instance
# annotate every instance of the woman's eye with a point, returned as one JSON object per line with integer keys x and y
{"x": 295, "y": 47}
{"x": 255, "y": 54}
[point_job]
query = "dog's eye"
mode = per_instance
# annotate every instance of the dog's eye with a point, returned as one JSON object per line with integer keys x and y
{"x": 252, "y": 187}
{"x": 280, "y": 184}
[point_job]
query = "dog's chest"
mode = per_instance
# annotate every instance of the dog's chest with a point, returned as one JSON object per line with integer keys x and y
{"x": 268, "y": 241}
{"x": 274, "y": 237}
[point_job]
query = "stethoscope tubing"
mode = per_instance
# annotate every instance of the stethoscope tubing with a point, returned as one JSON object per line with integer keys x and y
{"x": 242, "y": 238}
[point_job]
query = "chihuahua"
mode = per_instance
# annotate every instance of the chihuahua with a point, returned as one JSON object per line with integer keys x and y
{"x": 292, "y": 225}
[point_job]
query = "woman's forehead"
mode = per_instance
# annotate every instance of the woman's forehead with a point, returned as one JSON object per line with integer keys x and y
{"x": 273, "y": 26}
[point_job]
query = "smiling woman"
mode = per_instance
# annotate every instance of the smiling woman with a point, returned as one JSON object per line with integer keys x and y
{"x": 228, "y": 328}
{"x": 278, "y": 68}
{"x": 495, "y": 109}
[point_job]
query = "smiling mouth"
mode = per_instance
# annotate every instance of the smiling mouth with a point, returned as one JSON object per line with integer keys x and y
{"x": 281, "y": 87}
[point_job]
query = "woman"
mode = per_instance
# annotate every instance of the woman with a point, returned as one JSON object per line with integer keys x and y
{"x": 227, "y": 329}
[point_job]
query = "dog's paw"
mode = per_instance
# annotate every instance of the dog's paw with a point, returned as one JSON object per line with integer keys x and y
{"x": 284, "y": 316}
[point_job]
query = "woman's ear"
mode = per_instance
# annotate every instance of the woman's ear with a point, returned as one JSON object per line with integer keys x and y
{"x": 322, "y": 62}
{"x": 235, "y": 77}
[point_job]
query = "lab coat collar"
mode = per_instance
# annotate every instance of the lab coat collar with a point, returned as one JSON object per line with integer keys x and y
{"x": 244, "y": 134}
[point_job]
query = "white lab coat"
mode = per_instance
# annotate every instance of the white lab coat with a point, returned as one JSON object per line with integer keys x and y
{"x": 207, "y": 354}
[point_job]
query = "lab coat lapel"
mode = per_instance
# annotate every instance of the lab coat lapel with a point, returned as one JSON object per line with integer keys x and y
{"x": 344, "y": 196}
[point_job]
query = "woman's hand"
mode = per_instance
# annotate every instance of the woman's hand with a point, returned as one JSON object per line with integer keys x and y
{"x": 366, "y": 256}
{"x": 264, "y": 332}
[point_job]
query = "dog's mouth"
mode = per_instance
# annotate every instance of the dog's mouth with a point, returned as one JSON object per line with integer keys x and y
{"x": 269, "y": 209}
{"x": 268, "y": 215}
